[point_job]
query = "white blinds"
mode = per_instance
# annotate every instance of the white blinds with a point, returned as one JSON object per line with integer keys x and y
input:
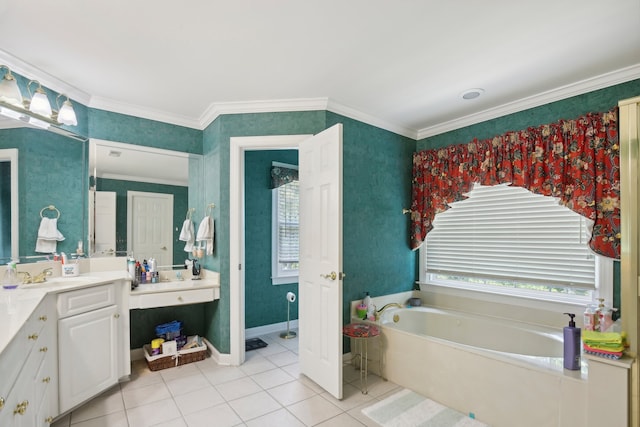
{"x": 510, "y": 234}
{"x": 288, "y": 223}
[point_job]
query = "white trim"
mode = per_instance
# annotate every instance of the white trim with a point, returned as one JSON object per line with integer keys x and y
{"x": 269, "y": 329}
{"x": 11, "y": 155}
{"x": 563, "y": 92}
{"x": 237, "y": 147}
{"x": 352, "y": 113}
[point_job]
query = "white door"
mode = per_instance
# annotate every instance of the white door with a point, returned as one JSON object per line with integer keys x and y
{"x": 149, "y": 226}
{"x": 104, "y": 211}
{"x": 320, "y": 283}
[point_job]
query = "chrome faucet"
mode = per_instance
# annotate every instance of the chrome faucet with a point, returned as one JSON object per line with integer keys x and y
{"x": 42, "y": 276}
{"x": 384, "y": 307}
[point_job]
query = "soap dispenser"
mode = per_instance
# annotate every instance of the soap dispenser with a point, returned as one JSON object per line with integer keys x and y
{"x": 571, "y": 345}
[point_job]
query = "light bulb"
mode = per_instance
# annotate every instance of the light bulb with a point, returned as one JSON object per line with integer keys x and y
{"x": 40, "y": 103}
{"x": 66, "y": 115}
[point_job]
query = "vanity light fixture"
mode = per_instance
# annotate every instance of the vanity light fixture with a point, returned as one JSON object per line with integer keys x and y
{"x": 36, "y": 111}
{"x": 39, "y": 102}
{"x": 66, "y": 114}
{"x": 9, "y": 91}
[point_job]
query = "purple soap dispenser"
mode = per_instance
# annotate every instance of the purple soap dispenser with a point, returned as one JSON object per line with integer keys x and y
{"x": 571, "y": 345}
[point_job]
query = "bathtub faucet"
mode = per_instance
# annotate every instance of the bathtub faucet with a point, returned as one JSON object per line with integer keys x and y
{"x": 384, "y": 307}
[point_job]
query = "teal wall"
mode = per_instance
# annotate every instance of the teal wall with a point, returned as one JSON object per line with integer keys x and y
{"x": 377, "y": 182}
{"x": 180, "y": 206}
{"x": 50, "y": 172}
{"x": 5, "y": 209}
{"x": 265, "y": 303}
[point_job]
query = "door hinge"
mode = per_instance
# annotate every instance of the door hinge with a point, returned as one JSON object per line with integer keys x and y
{"x": 239, "y": 266}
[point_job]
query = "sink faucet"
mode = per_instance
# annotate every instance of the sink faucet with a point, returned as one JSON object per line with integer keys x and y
{"x": 384, "y": 307}
{"x": 42, "y": 276}
{"x": 26, "y": 277}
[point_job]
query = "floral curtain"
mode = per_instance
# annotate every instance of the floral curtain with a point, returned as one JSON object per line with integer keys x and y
{"x": 575, "y": 160}
{"x": 281, "y": 175}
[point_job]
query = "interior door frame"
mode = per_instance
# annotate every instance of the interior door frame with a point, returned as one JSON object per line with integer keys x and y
{"x": 237, "y": 147}
{"x": 131, "y": 194}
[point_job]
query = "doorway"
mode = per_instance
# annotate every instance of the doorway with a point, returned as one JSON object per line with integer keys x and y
{"x": 149, "y": 226}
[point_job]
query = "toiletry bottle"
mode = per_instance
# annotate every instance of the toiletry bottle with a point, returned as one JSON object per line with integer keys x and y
{"x": 10, "y": 280}
{"x": 367, "y": 300}
{"x": 571, "y": 345}
{"x": 590, "y": 320}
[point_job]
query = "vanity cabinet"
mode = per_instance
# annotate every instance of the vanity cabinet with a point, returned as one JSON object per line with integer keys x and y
{"x": 91, "y": 326}
{"x": 28, "y": 365}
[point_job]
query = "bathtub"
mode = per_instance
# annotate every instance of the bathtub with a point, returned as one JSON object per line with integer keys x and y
{"x": 505, "y": 373}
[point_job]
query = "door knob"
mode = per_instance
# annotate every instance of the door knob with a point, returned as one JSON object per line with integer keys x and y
{"x": 333, "y": 276}
{"x": 164, "y": 248}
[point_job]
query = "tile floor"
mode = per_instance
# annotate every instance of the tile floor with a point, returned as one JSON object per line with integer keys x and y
{"x": 267, "y": 390}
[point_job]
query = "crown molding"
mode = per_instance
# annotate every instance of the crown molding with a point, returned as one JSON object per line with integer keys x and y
{"x": 29, "y": 71}
{"x": 269, "y": 106}
{"x": 352, "y": 113}
{"x": 574, "y": 89}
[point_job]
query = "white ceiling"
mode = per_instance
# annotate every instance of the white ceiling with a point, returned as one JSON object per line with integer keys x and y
{"x": 401, "y": 65}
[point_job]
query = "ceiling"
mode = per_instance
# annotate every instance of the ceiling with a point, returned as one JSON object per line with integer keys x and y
{"x": 399, "y": 65}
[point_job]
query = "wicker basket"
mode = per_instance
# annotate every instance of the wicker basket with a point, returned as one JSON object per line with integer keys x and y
{"x": 183, "y": 357}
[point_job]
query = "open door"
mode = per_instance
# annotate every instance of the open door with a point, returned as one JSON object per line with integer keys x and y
{"x": 320, "y": 282}
{"x": 150, "y": 226}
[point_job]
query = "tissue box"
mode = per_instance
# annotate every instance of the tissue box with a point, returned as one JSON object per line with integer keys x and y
{"x": 70, "y": 270}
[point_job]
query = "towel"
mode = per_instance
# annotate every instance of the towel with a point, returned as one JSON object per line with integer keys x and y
{"x": 187, "y": 235}
{"x": 206, "y": 233}
{"x": 48, "y": 235}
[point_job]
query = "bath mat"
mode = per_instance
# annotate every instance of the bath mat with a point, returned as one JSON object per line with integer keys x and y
{"x": 254, "y": 344}
{"x": 409, "y": 409}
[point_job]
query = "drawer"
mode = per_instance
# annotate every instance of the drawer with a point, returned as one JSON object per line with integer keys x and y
{"x": 163, "y": 299}
{"x": 45, "y": 375}
{"x": 84, "y": 300}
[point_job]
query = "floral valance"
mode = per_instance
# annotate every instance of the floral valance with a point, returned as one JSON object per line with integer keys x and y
{"x": 281, "y": 175}
{"x": 575, "y": 160}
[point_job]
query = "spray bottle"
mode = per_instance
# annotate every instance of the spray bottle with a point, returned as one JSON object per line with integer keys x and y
{"x": 571, "y": 345}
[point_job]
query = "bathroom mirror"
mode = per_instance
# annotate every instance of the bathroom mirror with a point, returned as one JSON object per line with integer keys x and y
{"x": 9, "y": 219}
{"x": 51, "y": 170}
{"x": 138, "y": 199}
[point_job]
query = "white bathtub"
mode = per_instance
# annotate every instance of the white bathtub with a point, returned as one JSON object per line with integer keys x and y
{"x": 507, "y": 374}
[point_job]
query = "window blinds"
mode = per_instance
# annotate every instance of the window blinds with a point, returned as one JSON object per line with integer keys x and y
{"x": 510, "y": 234}
{"x": 288, "y": 223}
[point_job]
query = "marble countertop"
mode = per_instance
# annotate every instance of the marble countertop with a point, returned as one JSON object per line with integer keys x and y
{"x": 176, "y": 285}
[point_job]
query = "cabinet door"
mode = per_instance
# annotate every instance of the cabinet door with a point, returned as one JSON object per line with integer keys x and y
{"x": 88, "y": 359}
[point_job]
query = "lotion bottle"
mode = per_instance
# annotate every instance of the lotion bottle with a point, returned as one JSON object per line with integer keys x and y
{"x": 571, "y": 345}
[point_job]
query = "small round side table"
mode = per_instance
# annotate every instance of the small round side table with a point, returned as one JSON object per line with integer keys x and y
{"x": 361, "y": 333}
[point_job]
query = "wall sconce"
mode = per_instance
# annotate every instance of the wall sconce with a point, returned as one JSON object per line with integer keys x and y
{"x": 36, "y": 111}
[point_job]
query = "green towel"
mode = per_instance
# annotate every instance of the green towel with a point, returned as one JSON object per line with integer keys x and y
{"x": 602, "y": 337}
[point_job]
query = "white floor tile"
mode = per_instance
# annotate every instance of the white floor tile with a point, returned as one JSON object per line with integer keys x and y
{"x": 238, "y": 388}
{"x": 116, "y": 419}
{"x": 342, "y": 420}
{"x": 256, "y": 364}
{"x": 291, "y": 392}
{"x": 351, "y": 397}
{"x": 222, "y": 415}
{"x": 271, "y": 348}
{"x": 254, "y": 405}
{"x": 222, "y": 374}
{"x": 178, "y": 422}
{"x": 144, "y": 395}
{"x": 153, "y": 413}
{"x": 357, "y": 414}
{"x": 106, "y": 403}
{"x": 272, "y": 378}
{"x": 187, "y": 384}
{"x": 293, "y": 370}
{"x": 314, "y": 410}
{"x": 279, "y": 418}
{"x": 198, "y": 400}
{"x": 282, "y": 359}
{"x": 179, "y": 371}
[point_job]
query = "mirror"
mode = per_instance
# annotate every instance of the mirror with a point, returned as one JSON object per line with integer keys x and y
{"x": 9, "y": 220}
{"x": 51, "y": 170}
{"x": 139, "y": 197}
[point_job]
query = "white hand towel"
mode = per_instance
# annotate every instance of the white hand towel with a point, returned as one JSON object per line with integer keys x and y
{"x": 48, "y": 235}
{"x": 206, "y": 233}
{"x": 187, "y": 235}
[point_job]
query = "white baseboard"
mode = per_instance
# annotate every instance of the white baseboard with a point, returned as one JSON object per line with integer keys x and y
{"x": 269, "y": 329}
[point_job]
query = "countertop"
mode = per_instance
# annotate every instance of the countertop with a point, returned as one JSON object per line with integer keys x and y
{"x": 17, "y": 305}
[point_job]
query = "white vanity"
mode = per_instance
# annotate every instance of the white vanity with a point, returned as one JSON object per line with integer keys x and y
{"x": 64, "y": 341}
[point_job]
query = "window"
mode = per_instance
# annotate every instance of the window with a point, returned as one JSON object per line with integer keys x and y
{"x": 285, "y": 234}
{"x": 508, "y": 240}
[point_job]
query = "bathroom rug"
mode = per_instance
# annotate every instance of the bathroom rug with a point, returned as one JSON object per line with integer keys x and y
{"x": 408, "y": 409}
{"x": 254, "y": 344}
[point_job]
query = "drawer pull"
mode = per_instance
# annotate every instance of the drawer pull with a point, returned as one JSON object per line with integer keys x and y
{"x": 117, "y": 315}
{"x": 21, "y": 408}
{"x": 180, "y": 299}
{"x": 43, "y": 318}
{"x": 33, "y": 337}
{"x": 48, "y": 420}
{"x": 44, "y": 349}
{"x": 46, "y": 380}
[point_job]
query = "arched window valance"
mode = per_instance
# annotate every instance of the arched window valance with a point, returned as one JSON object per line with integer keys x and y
{"x": 574, "y": 160}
